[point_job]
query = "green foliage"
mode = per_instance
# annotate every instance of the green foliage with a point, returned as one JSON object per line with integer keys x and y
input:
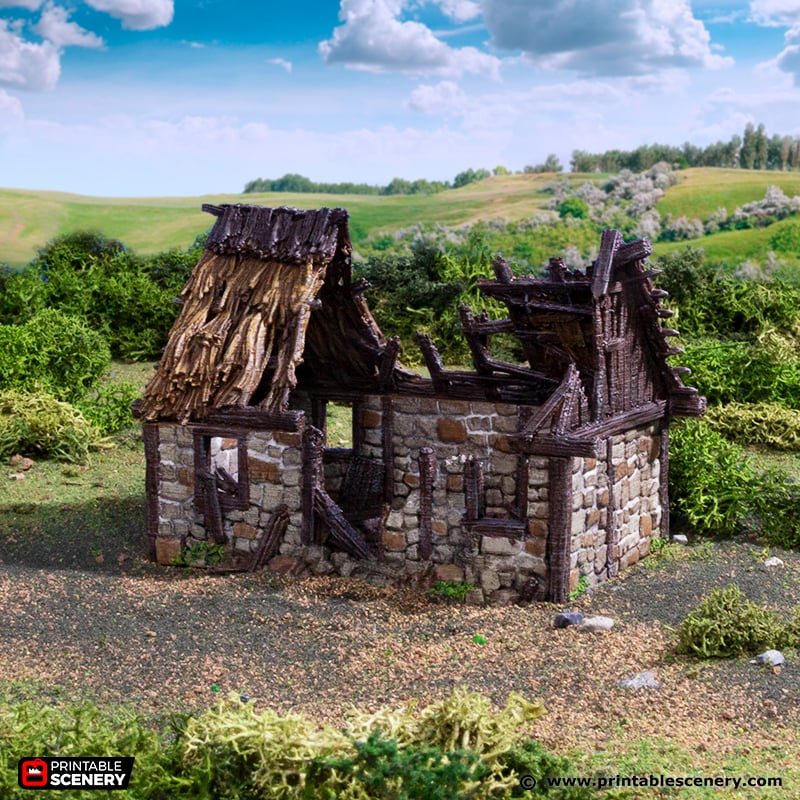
{"x": 470, "y": 176}
{"x": 776, "y": 503}
{"x": 686, "y": 274}
{"x": 108, "y": 407}
{"x": 380, "y": 769}
{"x": 200, "y": 554}
{"x": 581, "y": 588}
{"x": 39, "y": 424}
{"x": 451, "y": 590}
{"x": 52, "y": 352}
{"x": 530, "y": 758}
{"x": 766, "y": 424}
{"x": 126, "y": 297}
{"x": 80, "y": 729}
{"x": 710, "y": 478}
{"x": 726, "y": 624}
{"x": 575, "y": 207}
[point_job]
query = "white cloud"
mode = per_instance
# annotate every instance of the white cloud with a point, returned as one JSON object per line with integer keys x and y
{"x": 459, "y": 10}
{"x": 54, "y": 26}
{"x": 137, "y": 15}
{"x": 281, "y": 62}
{"x": 775, "y": 13}
{"x": 603, "y": 37}
{"x": 27, "y": 65}
{"x": 444, "y": 98}
{"x": 10, "y": 110}
{"x": 374, "y": 38}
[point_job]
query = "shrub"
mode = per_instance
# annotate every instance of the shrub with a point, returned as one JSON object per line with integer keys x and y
{"x": 80, "y": 729}
{"x": 40, "y": 424}
{"x": 52, "y": 352}
{"x": 726, "y": 624}
{"x": 710, "y": 478}
{"x": 768, "y": 424}
{"x": 108, "y": 407}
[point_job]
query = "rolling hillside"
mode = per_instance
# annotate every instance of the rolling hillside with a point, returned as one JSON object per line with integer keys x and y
{"x": 29, "y": 219}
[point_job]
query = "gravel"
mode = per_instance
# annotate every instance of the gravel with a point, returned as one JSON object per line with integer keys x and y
{"x": 168, "y": 639}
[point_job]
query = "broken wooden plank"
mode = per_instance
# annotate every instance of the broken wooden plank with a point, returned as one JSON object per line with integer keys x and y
{"x": 270, "y": 537}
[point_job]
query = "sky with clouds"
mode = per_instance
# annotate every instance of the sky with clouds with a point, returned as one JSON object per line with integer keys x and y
{"x": 187, "y": 97}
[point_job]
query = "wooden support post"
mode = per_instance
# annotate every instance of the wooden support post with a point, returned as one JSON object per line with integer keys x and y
{"x": 559, "y": 536}
{"x": 473, "y": 490}
{"x": 427, "y": 478}
{"x": 663, "y": 477}
{"x": 213, "y": 510}
{"x": 270, "y": 537}
{"x": 313, "y": 445}
{"x": 150, "y": 433}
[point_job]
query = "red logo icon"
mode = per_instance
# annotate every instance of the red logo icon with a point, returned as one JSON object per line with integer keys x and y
{"x": 33, "y": 773}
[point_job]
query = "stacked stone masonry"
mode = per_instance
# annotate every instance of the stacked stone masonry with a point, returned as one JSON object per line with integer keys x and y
{"x": 615, "y": 508}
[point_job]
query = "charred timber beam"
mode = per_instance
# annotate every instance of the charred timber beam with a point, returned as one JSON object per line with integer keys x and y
{"x": 387, "y": 447}
{"x": 663, "y": 478}
{"x": 388, "y": 364}
{"x": 313, "y": 446}
{"x": 502, "y": 269}
{"x": 612, "y": 534}
{"x": 489, "y": 526}
{"x": 625, "y": 420}
{"x": 633, "y": 251}
{"x": 291, "y": 421}
{"x": 270, "y": 538}
{"x": 610, "y": 241}
{"x": 211, "y": 506}
{"x": 433, "y": 362}
{"x": 546, "y": 444}
{"x": 427, "y": 476}
{"x": 342, "y": 532}
{"x": 150, "y": 434}
{"x": 559, "y": 537}
{"x": 473, "y": 490}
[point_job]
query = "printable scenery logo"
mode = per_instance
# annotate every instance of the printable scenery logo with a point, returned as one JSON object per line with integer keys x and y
{"x": 75, "y": 773}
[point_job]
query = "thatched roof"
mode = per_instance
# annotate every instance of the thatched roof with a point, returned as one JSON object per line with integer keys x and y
{"x": 272, "y": 289}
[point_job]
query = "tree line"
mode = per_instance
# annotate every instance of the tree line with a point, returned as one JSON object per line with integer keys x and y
{"x": 755, "y": 149}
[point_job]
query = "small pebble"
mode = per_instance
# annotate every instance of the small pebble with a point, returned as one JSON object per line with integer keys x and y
{"x": 773, "y": 561}
{"x": 596, "y": 624}
{"x": 680, "y": 539}
{"x": 568, "y": 618}
{"x": 770, "y": 658}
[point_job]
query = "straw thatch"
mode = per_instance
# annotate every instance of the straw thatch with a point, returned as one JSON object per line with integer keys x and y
{"x": 247, "y": 308}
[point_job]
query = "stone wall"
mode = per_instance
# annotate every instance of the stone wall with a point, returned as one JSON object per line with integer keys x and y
{"x": 274, "y": 461}
{"x": 614, "y": 515}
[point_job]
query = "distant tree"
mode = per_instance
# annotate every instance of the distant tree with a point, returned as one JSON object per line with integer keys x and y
{"x": 575, "y": 207}
{"x": 500, "y": 170}
{"x": 470, "y": 176}
{"x": 551, "y": 164}
{"x": 761, "y": 148}
{"x": 747, "y": 154}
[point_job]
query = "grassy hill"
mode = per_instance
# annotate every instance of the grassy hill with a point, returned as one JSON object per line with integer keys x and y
{"x": 29, "y": 219}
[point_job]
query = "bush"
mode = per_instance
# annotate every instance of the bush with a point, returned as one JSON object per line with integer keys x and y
{"x": 108, "y": 407}
{"x": 28, "y": 729}
{"x": 52, "y": 352}
{"x": 710, "y": 479}
{"x": 39, "y": 424}
{"x": 726, "y": 624}
{"x": 766, "y": 424}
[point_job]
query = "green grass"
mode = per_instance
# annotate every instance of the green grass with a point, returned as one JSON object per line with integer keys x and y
{"x": 29, "y": 219}
{"x": 701, "y": 191}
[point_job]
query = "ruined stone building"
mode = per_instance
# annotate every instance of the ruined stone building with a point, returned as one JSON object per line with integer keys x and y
{"x": 516, "y": 477}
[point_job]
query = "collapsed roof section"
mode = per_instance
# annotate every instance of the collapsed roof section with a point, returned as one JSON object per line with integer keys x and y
{"x": 272, "y": 305}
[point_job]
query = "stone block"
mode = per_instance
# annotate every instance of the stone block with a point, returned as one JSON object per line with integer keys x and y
{"x": 175, "y": 491}
{"x": 439, "y": 527}
{"x": 489, "y": 582}
{"x": 285, "y": 565}
{"x": 503, "y": 424}
{"x": 288, "y": 438}
{"x": 411, "y": 480}
{"x": 499, "y": 546}
{"x": 578, "y": 521}
{"x": 455, "y": 483}
{"x": 451, "y": 430}
{"x": 646, "y": 525}
{"x": 504, "y": 597}
{"x": 245, "y": 531}
{"x": 393, "y": 541}
{"x": 370, "y": 418}
{"x": 449, "y": 572}
{"x": 536, "y": 547}
{"x": 167, "y": 549}
{"x": 260, "y": 470}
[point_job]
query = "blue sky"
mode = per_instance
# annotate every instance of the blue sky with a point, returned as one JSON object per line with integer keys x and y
{"x": 187, "y": 97}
